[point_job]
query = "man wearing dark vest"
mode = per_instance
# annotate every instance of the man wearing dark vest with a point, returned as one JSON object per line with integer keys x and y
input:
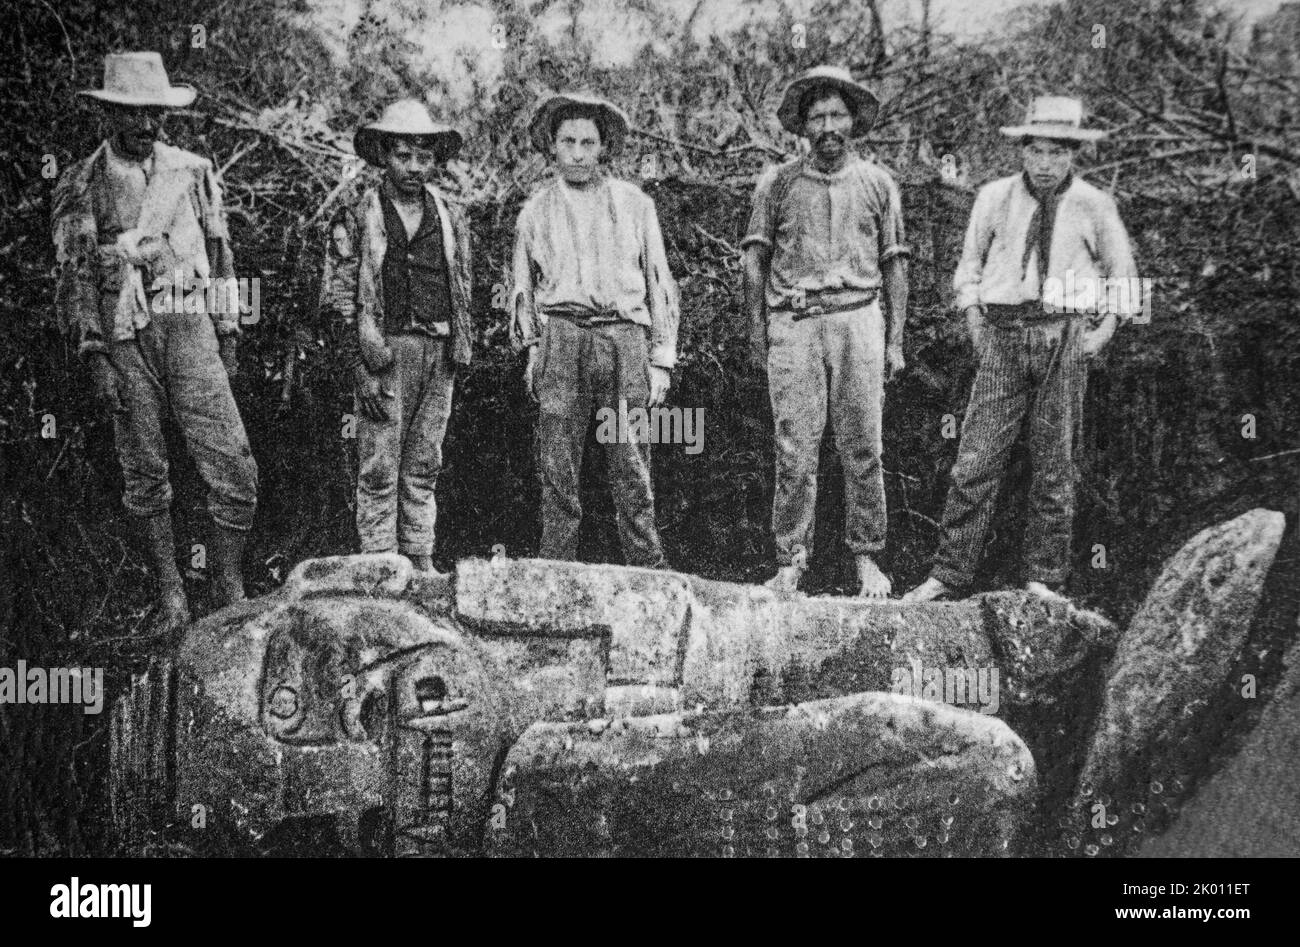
{"x": 398, "y": 267}
{"x": 133, "y": 217}
{"x": 825, "y": 243}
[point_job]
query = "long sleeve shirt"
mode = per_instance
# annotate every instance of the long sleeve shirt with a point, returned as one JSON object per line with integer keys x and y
{"x": 1000, "y": 261}
{"x": 598, "y": 248}
{"x": 102, "y": 292}
{"x": 827, "y": 232}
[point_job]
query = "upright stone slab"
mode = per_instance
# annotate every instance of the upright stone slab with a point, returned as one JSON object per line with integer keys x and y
{"x": 1251, "y": 807}
{"x": 1176, "y": 656}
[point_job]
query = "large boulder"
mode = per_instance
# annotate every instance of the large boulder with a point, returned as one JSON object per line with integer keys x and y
{"x": 867, "y": 774}
{"x": 720, "y": 644}
{"x": 1174, "y": 659}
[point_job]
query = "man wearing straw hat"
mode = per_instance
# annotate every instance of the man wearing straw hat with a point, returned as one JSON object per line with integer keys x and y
{"x": 595, "y": 303}
{"x": 1041, "y": 247}
{"x": 825, "y": 242}
{"x": 398, "y": 268}
{"x": 135, "y": 215}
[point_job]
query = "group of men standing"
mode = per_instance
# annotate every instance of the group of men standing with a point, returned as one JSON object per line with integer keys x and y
{"x": 594, "y": 304}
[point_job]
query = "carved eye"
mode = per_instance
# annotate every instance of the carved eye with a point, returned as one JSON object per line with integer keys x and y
{"x": 284, "y": 702}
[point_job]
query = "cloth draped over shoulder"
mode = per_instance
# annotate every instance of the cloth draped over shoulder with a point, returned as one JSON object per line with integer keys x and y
{"x": 352, "y": 281}
{"x": 105, "y": 290}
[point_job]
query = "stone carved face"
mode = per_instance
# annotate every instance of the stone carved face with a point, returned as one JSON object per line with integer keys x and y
{"x": 309, "y": 676}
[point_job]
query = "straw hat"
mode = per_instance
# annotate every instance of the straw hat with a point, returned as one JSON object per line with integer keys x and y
{"x": 405, "y": 117}
{"x": 613, "y": 121}
{"x": 139, "y": 79}
{"x": 1054, "y": 116}
{"x": 860, "y": 100}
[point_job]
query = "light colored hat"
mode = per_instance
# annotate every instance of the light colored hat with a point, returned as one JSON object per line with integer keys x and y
{"x": 405, "y": 117}
{"x": 1054, "y": 116}
{"x": 139, "y": 79}
{"x": 614, "y": 124}
{"x": 861, "y": 101}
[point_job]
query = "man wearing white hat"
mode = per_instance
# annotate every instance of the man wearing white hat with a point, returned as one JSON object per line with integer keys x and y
{"x": 398, "y": 269}
{"x": 133, "y": 216}
{"x": 595, "y": 303}
{"x": 1030, "y": 235}
{"x": 825, "y": 242}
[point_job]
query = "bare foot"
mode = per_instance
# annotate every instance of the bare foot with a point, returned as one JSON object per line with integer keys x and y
{"x": 171, "y": 615}
{"x": 875, "y": 584}
{"x": 928, "y": 591}
{"x": 786, "y": 580}
{"x": 1044, "y": 591}
{"x": 421, "y": 563}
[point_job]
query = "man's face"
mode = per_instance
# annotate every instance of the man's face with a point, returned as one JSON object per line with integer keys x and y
{"x": 407, "y": 165}
{"x": 827, "y": 124}
{"x": 135, "y": 128}
{"x": 1047, "y": 162}
{"x": 577, "y": 149}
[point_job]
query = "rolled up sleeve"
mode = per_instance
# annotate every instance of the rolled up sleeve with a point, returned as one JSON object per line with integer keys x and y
{"x": 893, "y": 234}
{"x": 762, "y": 216}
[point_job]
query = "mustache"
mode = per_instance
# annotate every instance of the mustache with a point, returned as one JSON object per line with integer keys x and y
{"x": 828, "y": 137}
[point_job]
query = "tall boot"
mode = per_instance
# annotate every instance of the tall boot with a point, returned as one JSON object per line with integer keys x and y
{"x": 227, "y": 565}
{"x": 171, "y": 611}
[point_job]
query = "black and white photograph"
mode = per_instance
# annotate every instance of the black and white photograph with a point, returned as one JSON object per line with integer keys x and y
{"x": 651, "y": 429}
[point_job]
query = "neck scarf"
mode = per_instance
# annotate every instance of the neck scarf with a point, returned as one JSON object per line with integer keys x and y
{"x": 1041, "y": 223}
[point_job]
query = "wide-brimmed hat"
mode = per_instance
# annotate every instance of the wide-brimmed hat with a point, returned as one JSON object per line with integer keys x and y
{"x": 612, "y": 120}
{"x": 861, "y": 101}
{"x": 139, "y": 79}
{"x": 407, "y": 118}
{"x": 1056, "y": 117}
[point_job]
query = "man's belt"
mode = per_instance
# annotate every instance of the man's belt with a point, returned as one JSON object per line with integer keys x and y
{"x": 583, "y": 315}
{"x": 806, "y": 305}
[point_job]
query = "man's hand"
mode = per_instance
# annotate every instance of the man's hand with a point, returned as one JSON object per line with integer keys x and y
{"x": 894, "y": 361}
{"x": 105, "y": 386}
{"x": 659, "y": 382}
{"x": 976, "y": 326}
{"x": 228, "y": 348}
{"x": 1096, "y": 338}
{"x": 371, "y": 394}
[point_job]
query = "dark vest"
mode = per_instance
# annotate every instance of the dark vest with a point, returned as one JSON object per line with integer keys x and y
{"x": 417, "y": 288}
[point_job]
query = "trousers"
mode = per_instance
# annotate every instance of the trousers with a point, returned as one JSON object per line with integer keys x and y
{"x": 1026, "y": 368}
{"x": 399, "y": 459}
{"x": 581, "y": 369}
{"x": 831, "y": 365}
{"x": 173, "y": 365}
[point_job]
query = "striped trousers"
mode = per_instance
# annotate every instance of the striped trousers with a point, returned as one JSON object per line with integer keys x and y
{"x": 1035, "y": 369}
